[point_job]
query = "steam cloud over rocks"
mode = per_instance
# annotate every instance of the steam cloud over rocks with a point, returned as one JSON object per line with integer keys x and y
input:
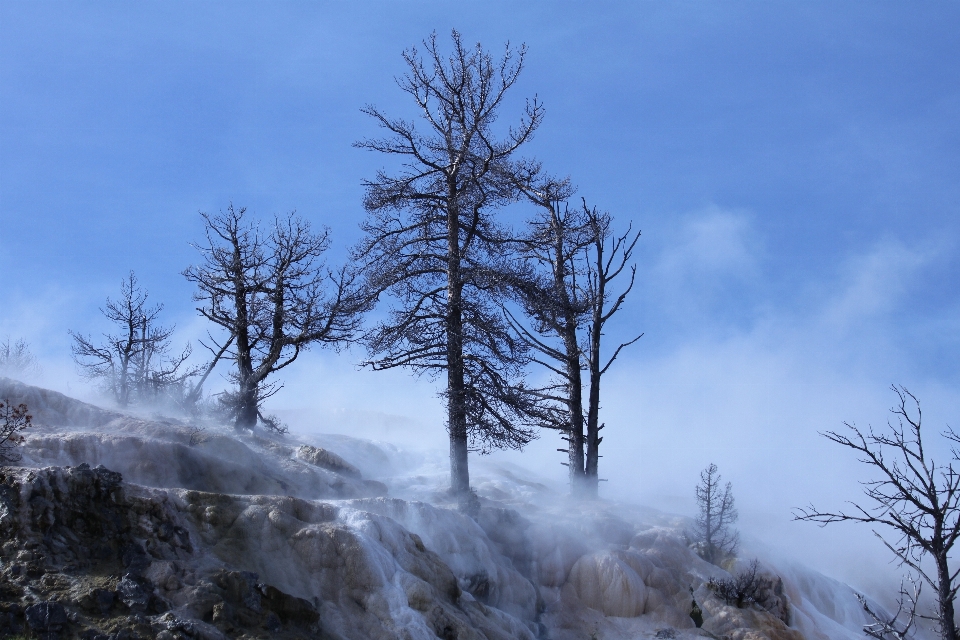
{"x": 118, "y": 526}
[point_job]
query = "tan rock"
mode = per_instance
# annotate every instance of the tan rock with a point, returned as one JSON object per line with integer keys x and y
{"x": 327, "y": 460}
{"x": 606, "y": 583}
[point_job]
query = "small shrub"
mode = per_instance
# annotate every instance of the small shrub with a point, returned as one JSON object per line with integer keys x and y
{"x": 13, "y": 420}
{"x": 750, "y": 587}
{"x": 273, "y": 423}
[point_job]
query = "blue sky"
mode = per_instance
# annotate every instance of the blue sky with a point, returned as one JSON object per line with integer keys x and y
{"x": 794, "y": 167}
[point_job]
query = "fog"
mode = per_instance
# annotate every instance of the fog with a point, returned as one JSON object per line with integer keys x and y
{"x": 750, "y": 398}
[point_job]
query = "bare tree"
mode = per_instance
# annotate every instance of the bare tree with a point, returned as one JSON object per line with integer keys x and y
{"x": 13, "y": 420}
{"x": 273, "y": 296}
{"x": 609, "y": 256}
{"x": 917, "y": 499}
{"x": 549, "y": 285}
{"x": 715, "y": 539}
{"x": 898, "y": 626}
{"x": 16, "y": 358}
{"x": 433, "y": 244}
{"x": 133, "y": 364}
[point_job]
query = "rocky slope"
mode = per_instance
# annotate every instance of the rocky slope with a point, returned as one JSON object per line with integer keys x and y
{"x": 119, "y": 526}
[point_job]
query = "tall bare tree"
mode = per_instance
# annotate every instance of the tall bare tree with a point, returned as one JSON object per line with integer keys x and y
{"x": 433, "y": 243}
{"x": 715, "y": 538}
{"x": 550, "y": 287}
{"x": 272, "y": 295}
{"x": 570, "y": 257}
{"x": 609, "y": 256}
{"x": 914, "y": 498}
{"x": 134, "y": 364}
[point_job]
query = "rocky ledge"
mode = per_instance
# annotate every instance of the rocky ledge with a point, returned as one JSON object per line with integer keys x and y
{"x": 84, "y": 558}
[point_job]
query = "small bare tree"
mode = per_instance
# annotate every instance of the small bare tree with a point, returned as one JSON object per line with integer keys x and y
{"x": 274, "y": 297}
{"x": 13, "y": 420}
{"x": 133, "y": 364}
{"x": 915, "y": 498}
{"x": 16, "y": 359}
{"x": 715, "y": 539}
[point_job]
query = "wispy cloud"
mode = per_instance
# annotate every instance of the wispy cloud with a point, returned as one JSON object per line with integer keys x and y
{"x": 710, "y": 244}
{"x": 873, "y": 283}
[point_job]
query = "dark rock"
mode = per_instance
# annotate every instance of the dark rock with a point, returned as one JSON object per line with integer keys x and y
{"x": 46, "y": 616}
{"x": 240, "y": 588}
{"x": 135, "y": 559}
{"x": 103, "y": 599}
{"x": 109, "y": 479}
{"x": 272, "y": 622}
{"x": 165, "y": 531}
{"x": 478, "y": 585}
{"x": 158, "y": 604}
{"x": 10, "y": 591}
{"x": 288, "y": 608}
{"x": 99, "y": 601}
{"x": 11, "y": 620}
{"x": 175, "y": 627}
{"x": 133, "y": 593}
{"x": 222, "y": 615}
{"x": 183, "y": 538}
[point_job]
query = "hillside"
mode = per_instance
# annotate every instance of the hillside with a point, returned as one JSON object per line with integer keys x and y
{"x": 120, "y": 526}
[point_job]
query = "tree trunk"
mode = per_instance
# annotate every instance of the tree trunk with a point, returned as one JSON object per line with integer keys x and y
{"x": 948, "y": 629}
{"x": 247, "y": 402}
{"x": 456, "y": 409}
{"x": 708, "y": 554}
{"x": 575, "y": 443}
{"x": 572, "y": 352}
{"x": 456, "y": 403}
{"x": 592, "y": 480}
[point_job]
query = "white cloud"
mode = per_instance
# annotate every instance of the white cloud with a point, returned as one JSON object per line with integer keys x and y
{"x": 874, "y": 282}
{"x": 709, "y": 244}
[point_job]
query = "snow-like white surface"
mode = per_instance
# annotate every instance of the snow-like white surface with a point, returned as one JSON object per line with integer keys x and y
{"x": 535, "y": 563}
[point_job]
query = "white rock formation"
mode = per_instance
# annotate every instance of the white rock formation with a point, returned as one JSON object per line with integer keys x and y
{"x": 378, "y": 551}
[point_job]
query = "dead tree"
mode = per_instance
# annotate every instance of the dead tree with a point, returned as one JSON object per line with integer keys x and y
{"x": 16, "y": 359}
{"x": 434, "y": 246}
{"x": 13, "y": 420}
{"x": 133, "y": 364}
{"x": 272, "y": 295}
{"x": 608, "y": 257}
{"x": 549, "y": 286}
{"x": 715, "y": 539}
{"x": 915, "y": 498}
{"x": 898, "y": 626}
